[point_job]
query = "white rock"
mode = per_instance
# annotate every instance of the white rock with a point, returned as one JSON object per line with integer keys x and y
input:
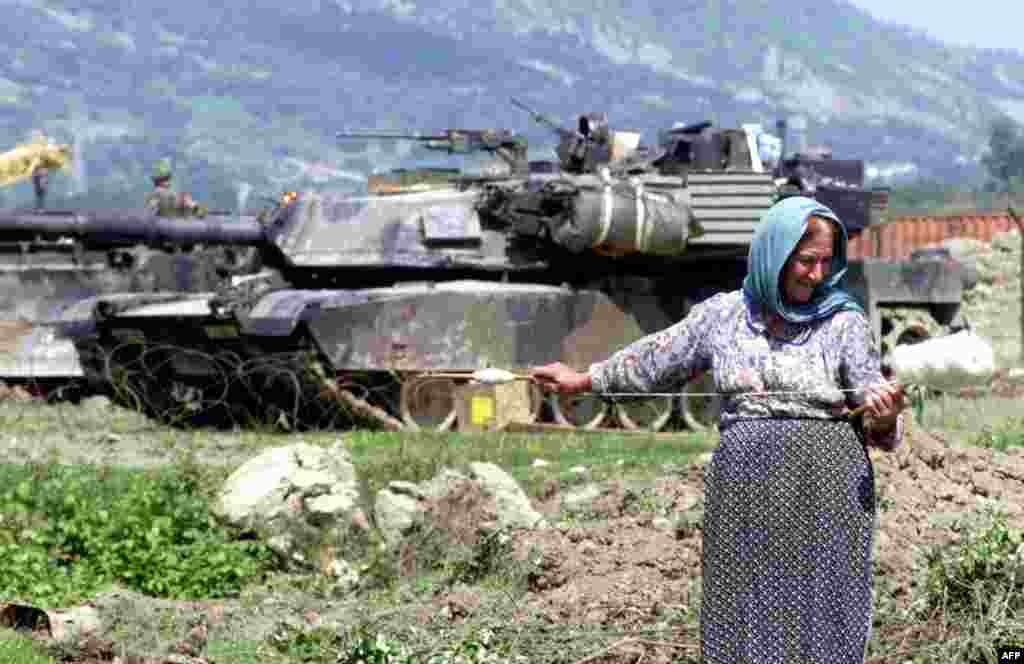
{"x": 331, "y": 504}
{"x": 514, "y": 508}
{"x": 540, "y": 463}
{"x": 398, "y": 507}
{"x": 291, "y": 493}
{"x": 311, "y": 480}
{"x": 578, "y": 470}
{"x": 395, "y": 513}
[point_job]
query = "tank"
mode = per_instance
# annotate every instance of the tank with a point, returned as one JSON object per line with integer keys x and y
{"x": 51, "y": 259}
{"x": 363, "y": 300}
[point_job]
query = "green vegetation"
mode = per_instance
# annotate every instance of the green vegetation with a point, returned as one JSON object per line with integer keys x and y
{"x": 69, "y": 532}
{"x": 982, "y": 575}
{"x": 18, "y": 649}
{"x": 379, "y": 456}
{"x": 360, "y": 646}
{"x": 989, "y": 422}
{"x": 1007, "y": 434}
{"x": 382, "y": 457}
{"x": 1004, "y": 163}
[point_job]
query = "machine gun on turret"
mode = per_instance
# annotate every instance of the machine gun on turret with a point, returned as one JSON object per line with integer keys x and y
{"x": 503, "y": 143}
{"x": 593, "y": 145}
{"x": 579, "y": 151}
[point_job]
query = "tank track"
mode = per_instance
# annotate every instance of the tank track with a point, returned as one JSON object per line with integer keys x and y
{"x": 243, "y": 383}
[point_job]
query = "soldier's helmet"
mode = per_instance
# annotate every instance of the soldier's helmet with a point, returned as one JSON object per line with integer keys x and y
{"x": 162, "y": 170}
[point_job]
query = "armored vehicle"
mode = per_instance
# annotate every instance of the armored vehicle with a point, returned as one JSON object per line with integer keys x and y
{"x": 43, "y": 272}
{"x": 364, "y": 300}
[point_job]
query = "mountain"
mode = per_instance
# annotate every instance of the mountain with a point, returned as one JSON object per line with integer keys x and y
{"x": 247, "y": 96}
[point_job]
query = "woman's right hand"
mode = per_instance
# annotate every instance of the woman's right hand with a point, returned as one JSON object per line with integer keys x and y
{"x": 557, "y": 377}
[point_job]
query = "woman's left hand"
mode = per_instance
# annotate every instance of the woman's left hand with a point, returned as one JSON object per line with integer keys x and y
{"x": 883, "y": 402}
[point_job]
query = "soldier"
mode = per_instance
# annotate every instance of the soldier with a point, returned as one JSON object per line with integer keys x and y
{"x": 163, "y": 200}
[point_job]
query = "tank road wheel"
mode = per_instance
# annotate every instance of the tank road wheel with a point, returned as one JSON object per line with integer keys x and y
{"x": 700, "y": 412}
{"x": 652, "y": 414}
{"x": 428, "y": 403}
{"x": 585, "y": 411}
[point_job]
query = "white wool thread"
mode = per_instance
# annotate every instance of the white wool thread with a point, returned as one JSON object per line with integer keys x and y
{"x": 493, "y": 376}
{"x": 946, "y": 363}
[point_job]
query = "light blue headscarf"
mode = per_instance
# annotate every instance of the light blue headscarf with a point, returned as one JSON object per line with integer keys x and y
{"x": 780, "y": 230}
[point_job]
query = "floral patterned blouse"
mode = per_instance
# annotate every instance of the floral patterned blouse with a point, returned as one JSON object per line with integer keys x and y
{"x": 729, "y": 336}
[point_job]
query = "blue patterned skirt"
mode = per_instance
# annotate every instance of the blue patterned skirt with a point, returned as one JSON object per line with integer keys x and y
{"x": 788, "y": 524}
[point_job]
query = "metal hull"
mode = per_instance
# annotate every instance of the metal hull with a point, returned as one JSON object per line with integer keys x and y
{"x": 37, "y": 287}
{"x": 180, "y": 360}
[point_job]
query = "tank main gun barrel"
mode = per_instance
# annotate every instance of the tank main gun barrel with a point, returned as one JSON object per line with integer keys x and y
{"x": 122, "y": 227}
{"x": 450, "y": 141}
{"x": 385, "y": 134}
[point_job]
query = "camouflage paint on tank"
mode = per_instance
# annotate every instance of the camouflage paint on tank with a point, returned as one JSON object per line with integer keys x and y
{"x": 466, "y": 325}
{"x": 40, "y": 280}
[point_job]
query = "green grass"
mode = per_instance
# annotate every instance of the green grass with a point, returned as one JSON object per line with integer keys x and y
{"x": 381, "y": 457}
{"x": 378, "y": 456}
{"x": 18, "y": 649}
{"x": 238, "y": 651}
{"x": 990, "y": 421}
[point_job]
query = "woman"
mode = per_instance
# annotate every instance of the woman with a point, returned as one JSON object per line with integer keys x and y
{"x": 790, "y": 503}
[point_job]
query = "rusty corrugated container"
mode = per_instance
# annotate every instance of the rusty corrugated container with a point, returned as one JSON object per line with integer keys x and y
{"x": 904, "y": 235}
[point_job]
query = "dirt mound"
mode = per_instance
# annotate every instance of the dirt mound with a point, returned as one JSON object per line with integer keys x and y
{"x": 928, "y": 494}
{"x": 634, "y": 556}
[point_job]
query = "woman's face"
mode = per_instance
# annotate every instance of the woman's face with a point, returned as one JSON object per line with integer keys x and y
{"x": 810, "y": 263}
